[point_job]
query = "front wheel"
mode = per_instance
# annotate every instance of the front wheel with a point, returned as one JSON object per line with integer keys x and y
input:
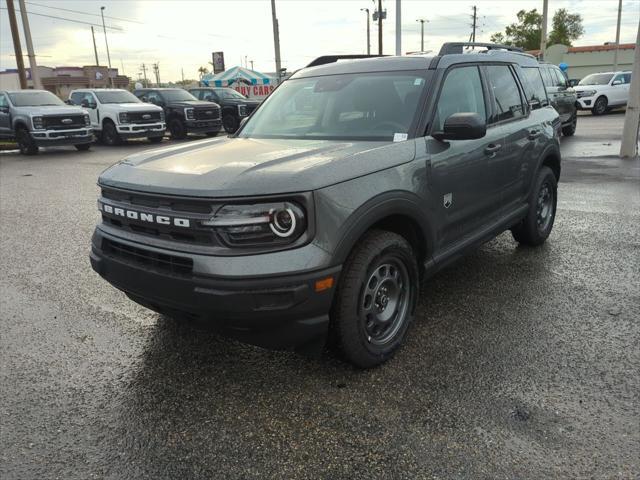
{"x": 230, "y": 123}
{"x": 375, "y": 300}
{"x": 110, "y": 134}
{"x": 600, "y": 107}
{"x": 83, "y": 147}
{"x": 537, "y": 225}
{"x": 570, "y": 129}
{"x": 25, "y": 143}
{"x": 177, "y": 129}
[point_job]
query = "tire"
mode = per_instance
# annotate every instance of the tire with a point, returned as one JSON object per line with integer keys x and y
{"x": 600, "y": 106}
{"x": 110, "y": 134}
{"x": 157, "y": 139}
{"x": 230, "y": 123}
{"x": 83, "y": 147}
{"x": 536, "y": 227}
{"x": 375, "y": 299}
{"x": 176, "y": 127}
{"x": 570, "y": 129}
{"x": 25, "y": 143}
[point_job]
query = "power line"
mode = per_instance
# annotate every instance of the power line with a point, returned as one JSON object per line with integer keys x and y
{"x": 70, "y": 20}
{"x": 82, "y": 13}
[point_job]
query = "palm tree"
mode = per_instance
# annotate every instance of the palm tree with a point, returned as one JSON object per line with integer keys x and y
{"x": 202, "y": 71}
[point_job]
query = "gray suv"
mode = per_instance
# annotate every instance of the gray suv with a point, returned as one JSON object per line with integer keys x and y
{"x": 350, "y": 183}
{"x": 37, "y": 118}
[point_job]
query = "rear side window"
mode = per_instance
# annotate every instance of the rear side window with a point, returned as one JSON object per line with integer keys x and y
{"x": 547, "y": 78}
{"x": 534, "y": 87}
{"x": 558, "y": 77}
{"x": 461, "y": 92}
{"x": 507, "y": 100}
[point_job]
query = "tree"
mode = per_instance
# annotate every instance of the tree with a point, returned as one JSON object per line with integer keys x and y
{"x": 566, "y": 27}
{"x": 527, "y": 31}
{"x": 202, "y": 71}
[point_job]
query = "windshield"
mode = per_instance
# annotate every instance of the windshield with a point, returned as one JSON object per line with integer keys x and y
{"x": 117, "y": 97}
{"x": 177, "y": 95}
{"x": 363, "y": 106}
{"x": 596, "y": 79}
{"x": 34, "y": 99}
{"x": 229, "y": 93}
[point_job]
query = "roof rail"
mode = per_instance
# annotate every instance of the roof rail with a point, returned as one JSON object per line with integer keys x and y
{"x": 451, "y": 48}
{"x": 334, "y": 58}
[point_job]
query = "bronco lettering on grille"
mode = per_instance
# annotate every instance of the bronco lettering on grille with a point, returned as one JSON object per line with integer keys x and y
{"x": 145, "y": 217}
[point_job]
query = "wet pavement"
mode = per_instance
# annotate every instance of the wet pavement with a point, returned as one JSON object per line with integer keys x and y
{"x": 522, "y": 363}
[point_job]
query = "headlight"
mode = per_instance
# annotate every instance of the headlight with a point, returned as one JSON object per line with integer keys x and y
{"x": 242, "y": 110}
{"x": 37, "y": 123}
{"x": 188, "y": 114}
{"x": 123, "y": 117}
{"x": 589, "y": 93}
{"x": 87, "y": 120}
{"x": 277, "y": 223}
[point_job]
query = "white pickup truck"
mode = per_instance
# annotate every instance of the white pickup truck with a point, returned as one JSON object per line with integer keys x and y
{"x": 118, "y": 115}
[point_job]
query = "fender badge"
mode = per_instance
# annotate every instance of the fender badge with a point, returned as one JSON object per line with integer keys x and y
{"x": 447, "y": 200}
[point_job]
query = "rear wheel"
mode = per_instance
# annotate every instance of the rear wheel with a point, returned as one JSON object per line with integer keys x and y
{"x": 177, "y": 129}
{"x": 25, "y": 143}
{"x": 600, "y": 107}
{"x": 376, "y": 296}
{"x": 83, "y": 147}
{"x": 570, "y": 129}
{"x": 537, "y": 225}
{"x": 110, "y": 134}
{"x": 230, "y": 123}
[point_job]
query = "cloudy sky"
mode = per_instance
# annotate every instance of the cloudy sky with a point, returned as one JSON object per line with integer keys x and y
{"x": 181, "y": 34}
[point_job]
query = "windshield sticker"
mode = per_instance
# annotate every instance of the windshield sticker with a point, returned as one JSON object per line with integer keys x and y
{"x": 417, "y": 81}
{"x": 400, "y": 137}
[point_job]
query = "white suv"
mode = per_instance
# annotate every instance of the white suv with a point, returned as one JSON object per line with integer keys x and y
{"x": 600, "y": 92}
{"x": 117, "y": 115}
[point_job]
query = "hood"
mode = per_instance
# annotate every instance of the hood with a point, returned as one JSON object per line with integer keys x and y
{"x": 582, "y": 88}
{"x": 52, "y": 110}
{"x": 146, "y": 107}
{"x": 240, "y": 101}
{"x": 193, "y": 103}
{"x": 228, "y": 167}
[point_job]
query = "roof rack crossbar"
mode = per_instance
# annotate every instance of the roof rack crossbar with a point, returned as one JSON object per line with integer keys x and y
{"x": 334, "y": 58}
{"x": 451, "y": 48}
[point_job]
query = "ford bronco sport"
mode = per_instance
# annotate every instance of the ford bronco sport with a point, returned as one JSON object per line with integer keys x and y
{"x": 350, "y": 182}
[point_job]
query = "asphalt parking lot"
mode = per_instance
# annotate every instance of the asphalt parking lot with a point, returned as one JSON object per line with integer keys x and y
{"x": 521, "y": 364}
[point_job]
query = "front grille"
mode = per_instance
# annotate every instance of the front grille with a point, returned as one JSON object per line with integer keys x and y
{"x": 193, "y": 210}
{"x": 208, "y": 113}
{"x": 140, "y": 117}
{"x": 61, "y": 122}
{"x": 161, "y": 262}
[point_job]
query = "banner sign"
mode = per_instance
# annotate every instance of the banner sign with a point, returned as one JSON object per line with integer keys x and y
{"x": 218, "y": 62}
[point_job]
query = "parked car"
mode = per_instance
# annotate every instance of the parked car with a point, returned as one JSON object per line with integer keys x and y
{"x": 37, "y": 118}
{"x": 318, "y": 218}
{"x": 600, "y": 92}
{"x": 183, "y": 112}
{"x": 235, "y": 106}
{"x": 562, "y": 96}
{"x": 118, "y": 115}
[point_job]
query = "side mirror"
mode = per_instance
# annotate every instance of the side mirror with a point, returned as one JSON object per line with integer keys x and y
{"x": 209, "y": 98}
{"x": 462, "y": 126}
{"x": 616, "y": 82}
{"x": 4, "y": 109}
{"x": 69, "y": 102}
{"x": 85, "y": 104}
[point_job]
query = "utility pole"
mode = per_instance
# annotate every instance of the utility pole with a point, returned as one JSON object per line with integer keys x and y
{"x": 629, "y": 146}
{"x": 398, "y": 28}
{"x": 422, "y": 20}
{"x": 95, "y": 49}
{"x": 35, "y": 76}
{"x": 276, "y": 38}
{"x": 144, "y": 74}
{"x": 474, "y": 25}
{"x": 15, "y": 34}
{"x": 366, "y": 10}
{"x": 543, "y": 35}
{"x": 182, "y": 71}
{"x": 380, "y": 27}
{"x": 156, "y": 71}
{"x": 107, "y": 45}
{"x": 251, "y": 62}
{"x": 615, "y": 52}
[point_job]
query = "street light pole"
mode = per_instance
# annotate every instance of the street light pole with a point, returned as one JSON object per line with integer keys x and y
{"x": 379, "y": 27}
{"x": 543, "y": 36}
{"x": 276, "y": 39}
{"x": 95, "y": 49}
{"x": 104, "y": 28}
{"x": 629, "y": 144}
{"x": 366, "y": 10}
{"x": 615, "y": 52}
{"x": 398, "y": 27}
{"x": 422, "y": 20}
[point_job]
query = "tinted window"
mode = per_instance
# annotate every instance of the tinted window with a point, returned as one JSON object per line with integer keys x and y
{"x": 508, "y": 103}
{"x": 558, "y": 77}
{"x": 229, "y": 93}
{"x": 363, "y": 106}
{"x": 149, "y": 96}
{"x": 461, "y": 92}
{"x": 547, "y": 78}
{"x": 623, "y": 77}
{"x": 177, "y": 95}
{"x": 534, "y": 87}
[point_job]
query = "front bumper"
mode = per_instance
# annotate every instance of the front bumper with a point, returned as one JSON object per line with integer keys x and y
{"x": 279, "y": 312}
{"x": 49, "y": 138}
{"x": 203, "y": 126}
{"x": 585, "y": 103}
{"x": 141, "y": 131}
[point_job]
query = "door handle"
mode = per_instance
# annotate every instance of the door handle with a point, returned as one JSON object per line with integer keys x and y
{"x": 492, "y": 148}
{"x": 533, "y": 134}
